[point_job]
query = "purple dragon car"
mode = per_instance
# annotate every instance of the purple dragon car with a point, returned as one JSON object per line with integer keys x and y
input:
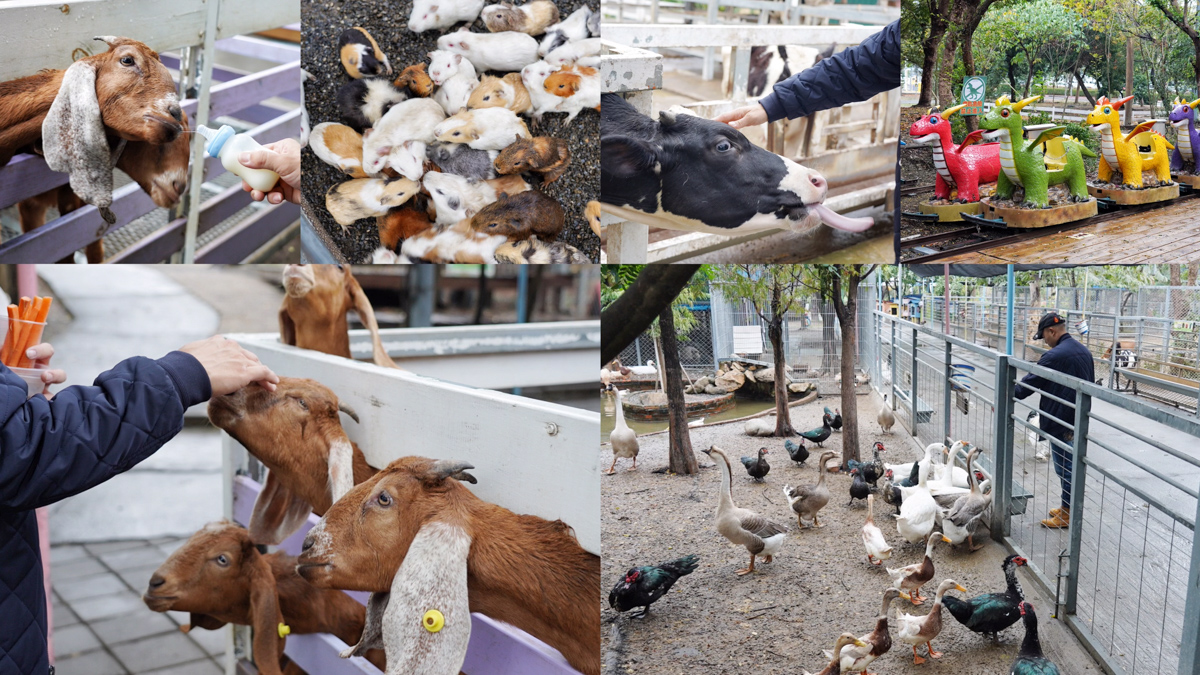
{"x": 1186, "y": 155}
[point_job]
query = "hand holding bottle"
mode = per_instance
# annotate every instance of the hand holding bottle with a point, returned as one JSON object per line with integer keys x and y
{"x": 282, "y": 157}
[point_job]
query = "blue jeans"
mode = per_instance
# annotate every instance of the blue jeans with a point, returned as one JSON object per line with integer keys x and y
{"x": 1063, "y": 460}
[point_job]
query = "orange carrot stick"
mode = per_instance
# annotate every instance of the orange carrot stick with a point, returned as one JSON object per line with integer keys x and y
{"x": 21, "y": 329}
{"x": 33, "y": 332}
{"x": 8, "y": 336}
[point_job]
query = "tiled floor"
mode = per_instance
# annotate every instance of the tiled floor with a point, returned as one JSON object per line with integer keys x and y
{"x": 101, "y": 626}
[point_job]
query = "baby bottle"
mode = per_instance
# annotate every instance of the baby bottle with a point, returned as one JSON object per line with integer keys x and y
{"x": 227, "y": 145}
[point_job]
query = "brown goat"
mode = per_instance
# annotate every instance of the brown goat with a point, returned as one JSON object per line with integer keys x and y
{"x": 313, "y": 315}
{"x": 219, "y": 577}
{"x": 136, "y": 96}
{"x": 160, "y": 170}
{"x": 295, "y": 432}
{"x": 415, "y": 517}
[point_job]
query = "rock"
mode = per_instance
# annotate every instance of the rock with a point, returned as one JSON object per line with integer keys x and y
{"x": 736, "y": 366}
{"x": 750, "y": 376}
{"x": 765, "y": 375}
{"x": 711, "y": 389}
{"x": 798, "y": 387}
{"x": 653, "y": 398}
{"x": 702, "y": 383}
{"x": 732, "y": 381}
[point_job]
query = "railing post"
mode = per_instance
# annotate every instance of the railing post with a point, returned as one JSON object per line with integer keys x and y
{"x": 1083, "y": 406}
{"x": 1002, "y": 480}
{"x": 207, "y": 56}
{"x": 1112, "y": 358}
{"x": 895, "y": 366}
{"x": 946, "y": 393}
{"x": 913, "y": 406}
{"x": 1189, "y": 649}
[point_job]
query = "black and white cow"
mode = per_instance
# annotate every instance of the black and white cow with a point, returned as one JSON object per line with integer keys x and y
{"x": 684, "y": 172}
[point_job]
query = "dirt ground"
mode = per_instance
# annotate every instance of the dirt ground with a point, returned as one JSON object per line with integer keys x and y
{"x": 779, "y": 619}
{"x": 324, "y": 21}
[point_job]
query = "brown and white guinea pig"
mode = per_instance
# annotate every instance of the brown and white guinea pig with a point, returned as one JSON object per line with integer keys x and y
{"x": 363, "y": 102}
{"x": 482, "y": 129}
{"x": 534, "y": 251}
{"x": 501, "y": 92}
{"x": 544, "y": 154}
{"x": 578, "y": 86}
{"x": 339, "y": 146}
{"x": 592, "y": 213}
{"x": 416, "y": 80}
{"x": 402, "y": 223}
{"x": 361, "y": 55}
{"x": 520, "y": 215}
{"x": 532, "y": 18}
{"x": 367, "y": 197}
{"x": 457, "y": 243}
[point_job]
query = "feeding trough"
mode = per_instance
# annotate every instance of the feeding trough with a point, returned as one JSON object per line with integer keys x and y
{"x": 649, "y": 406}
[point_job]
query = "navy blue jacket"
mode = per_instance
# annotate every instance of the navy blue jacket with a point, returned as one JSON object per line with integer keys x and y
{"x": 1068, "y": 357}
{"x": 854, "y": 74}
{"x": 50, "y": 450}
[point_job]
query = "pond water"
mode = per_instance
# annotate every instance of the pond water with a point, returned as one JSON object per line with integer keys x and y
{"x": 608, "y": 407}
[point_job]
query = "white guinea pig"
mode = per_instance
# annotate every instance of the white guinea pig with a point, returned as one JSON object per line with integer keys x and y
{"x": 508, "y": 51}
{"x": 534, "y": 77}
{"x": 581, "y": 52}
{"x": 574, "y": 27}
{"x": 408, "y": 159}
{"x": 482, "y": 128}
{"x": 438, "y": 14}
{"x": 412, "y": 120}
{"x": 455, "y": 77}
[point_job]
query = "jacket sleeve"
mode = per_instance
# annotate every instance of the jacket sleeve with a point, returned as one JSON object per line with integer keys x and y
{"x": 855, "y": 74}
{"x": 1048, "y": 360}
{"x": 53, "y": 449}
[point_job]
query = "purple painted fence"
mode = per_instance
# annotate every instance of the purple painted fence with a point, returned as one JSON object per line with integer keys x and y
{"x": 495, "y": 648}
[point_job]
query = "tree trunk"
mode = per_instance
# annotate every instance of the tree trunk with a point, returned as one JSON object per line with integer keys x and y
{"x": 631, "y": 314}
{"x": 847, "y": 313}
{"x": 1083, "y": 87}
{"x": 783, "y": 417}
{"x": 1010, "y": 55}
{"x": 968, "y": 58}
{"x": 946, "y": 76}
{"x": 937, "y": 28}
{"x": 682, "y": 459}
{"x": 658, "y": 358}
{"x": 1129, "y": 81}
{"x": 1193, "y": 272}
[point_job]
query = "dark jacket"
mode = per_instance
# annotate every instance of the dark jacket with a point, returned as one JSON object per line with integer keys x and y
{"x": 50, "y": 450}
{"x": 1069, "y": 357}
{"x": 854, "y": 74}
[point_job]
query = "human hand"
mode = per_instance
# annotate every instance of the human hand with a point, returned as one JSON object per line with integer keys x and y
{"x": 40, "y": 355}
{"x": 229, "y": 366}
{"x": 747, "y": 116}
{"x": 282, "y": 157}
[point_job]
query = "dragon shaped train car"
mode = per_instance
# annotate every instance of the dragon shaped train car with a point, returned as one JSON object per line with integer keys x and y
{"x": 1185, "y": 158}
{"x": 961, "y": 168}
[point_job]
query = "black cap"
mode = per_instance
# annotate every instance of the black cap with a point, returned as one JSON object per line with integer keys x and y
{"x": 1051, "y": 319}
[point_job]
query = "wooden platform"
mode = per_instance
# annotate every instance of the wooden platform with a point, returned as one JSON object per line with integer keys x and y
{"x": 1194, "y": 181}
{"x": 951, "y": 213}
{"x": 1128, "y": 197}
{"x": 1032, "y": 218}
{"x": 1167, "y": 235}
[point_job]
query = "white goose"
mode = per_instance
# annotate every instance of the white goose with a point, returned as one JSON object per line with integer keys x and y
{"x": 647, "y": 369}
{"x": 623, "y": 439}
{"x": 877, "y": 547}
{"x": 919, "y": 511}
{"x": 743, "y": 526}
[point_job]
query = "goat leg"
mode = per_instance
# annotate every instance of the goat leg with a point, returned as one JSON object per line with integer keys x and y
{"x": 372, "y": 635}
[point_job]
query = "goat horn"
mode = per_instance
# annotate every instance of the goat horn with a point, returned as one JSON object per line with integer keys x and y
{"x": 452, "y": 468}
{"x": 349, "y": 411}
{"x": 110, "y": 40}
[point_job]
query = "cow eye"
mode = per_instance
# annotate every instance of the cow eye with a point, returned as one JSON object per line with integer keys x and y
{"x": 724, "y": 146}
{"x": 223, "y": 560}
{"x": 127, "y": 60}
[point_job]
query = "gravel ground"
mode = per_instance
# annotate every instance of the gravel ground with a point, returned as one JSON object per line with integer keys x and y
{"x": 779, "y": 619}
{"x": 324, "y": 21}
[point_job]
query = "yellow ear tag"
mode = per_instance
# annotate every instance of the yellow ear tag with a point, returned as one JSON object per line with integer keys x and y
{"x": 433, "y": 621}
{"x": 284, "y": 630}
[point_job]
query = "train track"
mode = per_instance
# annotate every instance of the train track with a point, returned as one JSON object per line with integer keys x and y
{"x": 981, "y": 238}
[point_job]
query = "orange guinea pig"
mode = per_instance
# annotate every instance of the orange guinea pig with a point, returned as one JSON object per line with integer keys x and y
{"x": 416, "y": 79}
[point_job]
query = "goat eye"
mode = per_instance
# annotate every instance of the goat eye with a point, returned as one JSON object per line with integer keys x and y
{"x": 487, "y": 98}
{"x": 384, "y": 499}
{"x": 303, "y": 403}
{"x": 127, "y": 60}
{"x": 223, "y": 560}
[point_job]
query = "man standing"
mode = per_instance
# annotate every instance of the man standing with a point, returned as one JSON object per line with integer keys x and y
{"x": 1067, "y": 356}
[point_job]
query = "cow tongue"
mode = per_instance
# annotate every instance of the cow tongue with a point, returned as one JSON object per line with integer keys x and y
{"x": 840, "y": 222}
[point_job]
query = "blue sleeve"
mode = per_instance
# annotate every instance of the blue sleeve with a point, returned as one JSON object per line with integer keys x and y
{"x": 855, "y": 74}
{"x": 1047, "y": 360}
{"x": 53, "y": 449}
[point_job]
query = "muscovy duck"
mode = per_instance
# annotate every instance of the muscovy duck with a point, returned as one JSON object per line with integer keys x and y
{"x": 992, "y": 612}
{"x": 642, "y": 586}
{"x": 835, "y": 418}
{"x": 797, "y": 452}
{"x": 820, "y": 435}
{"x": 757, "y": 468}
{"x": 1030, "y": 660}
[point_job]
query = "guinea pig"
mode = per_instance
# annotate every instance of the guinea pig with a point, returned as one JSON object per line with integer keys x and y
{"x": 305, "y": 129}
{"x": 506, "y": 92}
{"x": 366, "y": 197}
{"x": 521, "y": 215}
{"x": 455, "y": 197}
{"x": 412, "y": 120}
{"x": 363, "y": 102}
{"x": 361, "y": 55}
{"x": 340, "y": 146}
{"x": 455, "y": 77}
{"x": 439, "y": 14}
{"x": 482, "y": 129}
{"x": 386, "y": 256}
{"x": 534, "y": 251}
{"x": 457, "y": 243}
{"x": 544, "y": 154}
{"x": 579, "y": 87}
{"x": 574, "y": 27}
{"x": 463, "y": 160}
{"x": 534, "y": 77}
{"x": 592, "y": 213}
{"x": 507, "y": 51}
{"x": 400, "y": 224}
{"x": 593, "y": 24}
{"x": 581, "y": 52}
{"x": 532, "y": 18}
{"x": 416, "y": 80}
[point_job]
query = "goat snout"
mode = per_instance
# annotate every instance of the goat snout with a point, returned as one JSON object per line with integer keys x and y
{"x": 157, "y": 581}
{"x": 176, "y": 112}
{"x": 308, "y": 544}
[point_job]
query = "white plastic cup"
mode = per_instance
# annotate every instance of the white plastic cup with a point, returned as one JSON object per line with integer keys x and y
{"x": 33, "y": 380}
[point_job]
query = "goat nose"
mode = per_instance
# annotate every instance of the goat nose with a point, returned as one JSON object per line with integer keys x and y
{"x": 308, "y": 543}
{"x": 156, "y": 581}
{"x": 176, "y": 112}
{"x": 180, "y": 185}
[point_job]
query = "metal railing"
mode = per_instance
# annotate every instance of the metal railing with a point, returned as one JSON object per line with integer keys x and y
{"x": 1126, "y": 573}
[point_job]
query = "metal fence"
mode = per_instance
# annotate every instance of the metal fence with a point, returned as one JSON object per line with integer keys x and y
{"x": 1126, "y": 574}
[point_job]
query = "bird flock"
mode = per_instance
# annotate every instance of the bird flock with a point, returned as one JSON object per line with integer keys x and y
{"x": 936, "y": 502}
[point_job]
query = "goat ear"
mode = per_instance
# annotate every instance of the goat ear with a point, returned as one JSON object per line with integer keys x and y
{"x": 287, "y": 328}
{"x": 449, "y": 468}
{"x": 363, "y": 306}
{"x": 372, "y": 634}
{"x": 203, "y": 621}
{"x": 265, "y": 616}
{"x": 431, "y": 584}
{"x": 277, "y": 513}
{"x": 74, "y": 141}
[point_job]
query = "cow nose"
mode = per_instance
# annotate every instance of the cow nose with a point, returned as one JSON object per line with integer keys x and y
{"x": 308, "y": 543}
{"x": 156, "y": 581}
{"x": 818, "y": 181}
{"x": 176, "y": 112}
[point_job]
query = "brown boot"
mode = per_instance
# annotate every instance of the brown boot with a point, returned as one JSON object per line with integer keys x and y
{"x": 1054, "y": 513}
{"x": 1060, "y": 520}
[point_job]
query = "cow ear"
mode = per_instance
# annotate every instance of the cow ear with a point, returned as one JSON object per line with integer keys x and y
{"x": 625, "y": 156}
